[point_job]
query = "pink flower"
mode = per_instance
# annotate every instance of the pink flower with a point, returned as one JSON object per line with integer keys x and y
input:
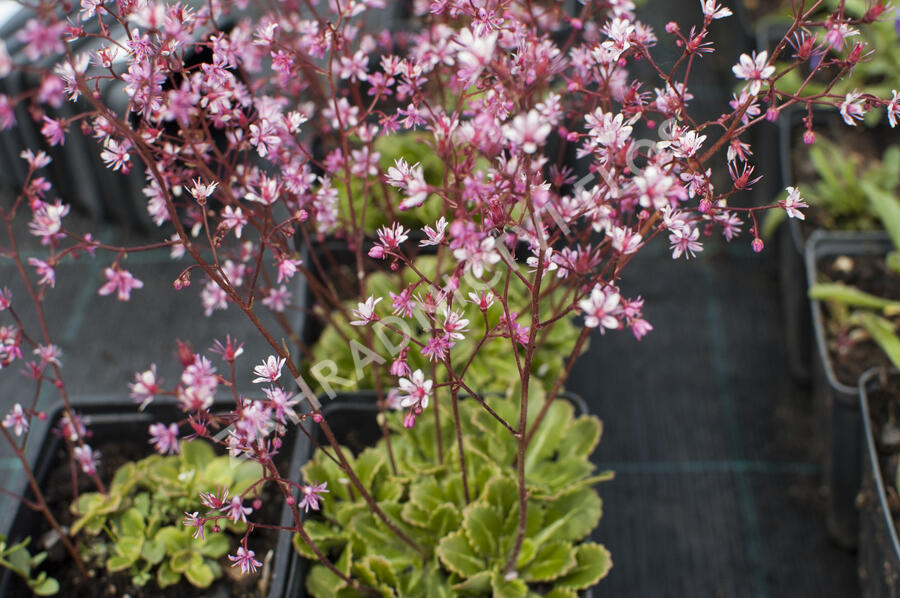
{"x": 454, "y": 324}
{"x": 402, "y": 303}
{"x": 201, "y": 191}
{"x": 120, "y": 281}
{"x": 194, "y": 520}
{"x": 852, "y": 108}
{"x": 53, "y": 131}
{"x": 365, "y": 312}
{"x": 46, "y": 220}
{"x": 793, "y": 203}
{"x": 527, "y": 131}
{"x": 311, "y": 496}
{"x": 437, "y": 348}
{"x": 415, "y": 391}
{"x": 601, "y": 308}
{"x": 5, "y": 298}
{"x": 684, "y": 242}
{"x": 754, "y": 69}
{"x": 17, "y": 420}
{"x": 164, "y": 438}
{"x": 245, "y": 559}
{"x": 269, "y": 370}
{"x": 434, "y": 235}
{"x": 236, "y": 511}
{"x": 277, "y": 299}
{"x": 712, "y": 10}
{"x": 893, "y": 108}
{"x": 484, "y": 299}
{"x": 87, "y": 458}
{"x": 116, "y": 155}
{"x": 145, "y": 386}
{"x": 44, "y": 270}
{"x": 287, "y": 268}
{"x": 234, "y": 219}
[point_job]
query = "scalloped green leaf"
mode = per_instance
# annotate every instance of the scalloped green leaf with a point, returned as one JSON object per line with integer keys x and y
{"x": 502, "y": 494}
{"x": 166, "y": 576}
{"x": 561, "y": 593}
{"x": 200, "y": 574}
{"x": 571, "y": 517}
{"x": 173, "y": 538}
{"x": 322, "y": 534}
{"x": 458, "y": 556}
{"x": 507, "y": 588}
{"x": 369, "y": 464}
{"x": 376, "y": 572}
{"x": 414, "y": 514}
{"x": 553, "y": 476}
{"x": 477, "y": 585}
{"x": 444, "y": 520}
{"x": 549, "y": 435}
{"x": 124, "y": 479}
{"x": 131, "y": 523}
{"x": 153, "y": 551}
{"x": 582, "y": 437}
{"x": 526, "y": 554}
{"x": 593, "y": 564}
{"x": 553, "y": 560}
{"x": 215, "y": 545}
{"x": 483, "y": 526}
{"x": 196, "y": 454}
{"x": 44, "y": 586}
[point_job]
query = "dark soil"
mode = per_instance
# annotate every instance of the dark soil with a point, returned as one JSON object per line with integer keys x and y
{"x": 884, "y": 410}
{"x": 850, "y": 352}
{"x": 106, "y": 585}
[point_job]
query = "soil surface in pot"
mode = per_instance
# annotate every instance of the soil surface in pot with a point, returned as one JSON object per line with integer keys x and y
{"x": 109, "y": 585}
{"x": 850, "y": 348}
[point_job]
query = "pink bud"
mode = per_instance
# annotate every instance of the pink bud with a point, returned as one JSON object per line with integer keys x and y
{"x": 291, "y": 501}
{"x": 377, "y": 252}
{"x": 317, "y": 417}
{"x": 216, "y": 529}
{"x": 257, "y": 504}
{"x": 671, "y": 27}
{"x": 576, "y": 23}
{"x": 41, "y": 415}
{"x": 409, "y": 420}
{"x": 705, "y": 205}
{"x": 757, "y": 244}
{"x": 771, "y": 114}
{"x": 809, "y": 137}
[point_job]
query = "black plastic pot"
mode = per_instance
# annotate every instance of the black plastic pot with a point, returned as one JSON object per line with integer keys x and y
{"x": 114, "y": 419}
{"x": 841, "y": 418}
{"x": 352, "y": 419}
{"x": 879, "y": 546}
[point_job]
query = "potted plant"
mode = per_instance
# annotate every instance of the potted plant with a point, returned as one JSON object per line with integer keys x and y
{"x": 879, "y": 547}
{"x": 524, "y": 252}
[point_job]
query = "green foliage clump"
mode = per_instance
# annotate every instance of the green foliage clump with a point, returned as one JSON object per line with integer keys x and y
{"x": 20, "y": 561}
{"x": 138, "y": 526}
{"x": 466, "y": 546}
{"x": 383, "y": 199}
{"x": 844, "y": 184}
{"x": 493, "y": 370}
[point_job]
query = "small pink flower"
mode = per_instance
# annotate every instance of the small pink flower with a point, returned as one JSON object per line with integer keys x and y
{"x": 145, "y": 386}
{"x": 17, "y": 420}
{"x": 893, "y": 108}
{"x": 287, "y": 268}
{"x": 53, "y": 131}
{"x": 194, "y": 520}
{"x": 164, "y": 439}
{"x": 5, "y": 298}
{"x": 245, "y": 559}
{"x": 754, "y": 69}
{"x": 601, "y": 308}
{"x": 87, "y": 458}
{"x": 435, "y": 235}
{"x": 236, "y": 511}
{"x": 269, "y": 370}
{"x": 415, "y": 390}
{"x": 44, "y": 270}
{"x": 311, "y": 496}
{"x": 120, "y": 281}
{"x": 365, "y": 312}
{"x": 793, "y": 203}
{"x": 852, "y": 108}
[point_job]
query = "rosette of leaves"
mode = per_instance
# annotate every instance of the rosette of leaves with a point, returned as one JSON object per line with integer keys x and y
{"x": 138, "y": 527}
{"x": 493, "y": 370}
{"x": 415, "y": 148}
{"x": 466, "y": 545}
{"x": 20, "y": 561}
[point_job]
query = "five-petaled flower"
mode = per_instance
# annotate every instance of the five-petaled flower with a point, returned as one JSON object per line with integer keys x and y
{"x": 754, "y": 69}
{"x": 164, "y": 438}
{"x": 311, "y": 495}
{"x": 415, "y": 391}
{"x": 601, "y": 308}
{"x": 245, "y": 559}
{"x": 121, "y": 281}
{"x": 365, "y": 312}
{"x": 17, "y": 420}
{"x": 793, "y": 203}
{"x": 269, "y": 370}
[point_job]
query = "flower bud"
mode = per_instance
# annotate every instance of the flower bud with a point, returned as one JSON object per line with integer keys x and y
{"x": 317, "y": 417}
{"x": 671, "y": 27}
{"x": 377, "y": 252}
{"x": 809, "y": 137}
{"x": 705, "y": 205}
{"x": 291, "y": 501}
{"x": 757, "y": 244}
{"x": 257, "y": 504}
{"x": 772, "y": 114}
